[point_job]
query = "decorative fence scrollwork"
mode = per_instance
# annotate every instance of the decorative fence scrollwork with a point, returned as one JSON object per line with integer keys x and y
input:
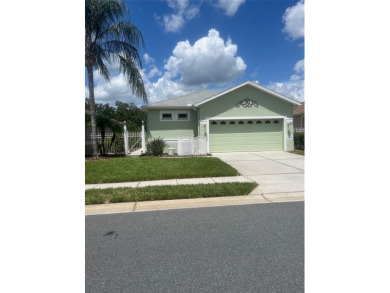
{"x": 247, "y": 103}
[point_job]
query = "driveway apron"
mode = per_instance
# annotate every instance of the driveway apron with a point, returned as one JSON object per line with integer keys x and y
{"x": 276, "y": 172}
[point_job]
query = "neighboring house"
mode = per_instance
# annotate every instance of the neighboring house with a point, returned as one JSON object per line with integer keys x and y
{"x": 246, "y": 117}
{"x": 299, "y": 118}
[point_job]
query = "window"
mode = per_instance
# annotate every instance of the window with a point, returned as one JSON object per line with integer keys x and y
{"x": 267, "y": 122}
{"x": 182, "y": 116}
{"x": 232, "y": 122}
{"x": 276, "y": 122}
{"x": 241, "y": 122}
{"x": 178, "y": 115}
{"x": 166, "y": 116}
{"x": 258, "y": 122}
{"x": 223, "y": 122}
{"x": 214, "y": 123}
{"x": 250, "y": 122}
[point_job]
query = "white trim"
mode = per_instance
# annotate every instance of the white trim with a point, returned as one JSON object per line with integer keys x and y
{"x": 285, "y": 123}
{"x": 167, "y": 112}
{"x": 245, "y": 117}
{"x": 255, "y": 85}
{"x": 177, "y": 112}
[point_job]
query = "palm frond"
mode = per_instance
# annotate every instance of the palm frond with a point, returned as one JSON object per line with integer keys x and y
{"x": 109, "y": 38}
{"x": 130, "y": 70}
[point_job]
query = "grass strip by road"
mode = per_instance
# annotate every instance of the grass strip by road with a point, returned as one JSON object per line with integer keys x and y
{"x": 127, "y": 194}
{"x": 151, "y": 168}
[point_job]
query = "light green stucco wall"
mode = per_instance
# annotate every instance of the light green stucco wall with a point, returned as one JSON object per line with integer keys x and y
{"x": 225, "y": 106}
{"x": 171, "y": 129}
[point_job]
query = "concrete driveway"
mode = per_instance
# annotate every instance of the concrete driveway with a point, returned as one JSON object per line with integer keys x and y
{"x": 277, "y": 173}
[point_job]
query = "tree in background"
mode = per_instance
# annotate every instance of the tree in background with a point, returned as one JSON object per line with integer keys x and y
{"x": 111, "y": 38}
{"x": 113, "y": 118}
{"x": 131, "y": 114}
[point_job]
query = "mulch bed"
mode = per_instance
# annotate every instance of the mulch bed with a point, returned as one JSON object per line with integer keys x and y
{"x": 102, "y": 158}
{"x": 107, "y": 157}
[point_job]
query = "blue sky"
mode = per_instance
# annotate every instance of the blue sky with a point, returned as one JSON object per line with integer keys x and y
{"x": 213, "y": 44}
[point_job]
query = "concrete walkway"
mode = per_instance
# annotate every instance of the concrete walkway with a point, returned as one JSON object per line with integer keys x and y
{"x": 206, "y": 180}
{"x": 275, "y": 171}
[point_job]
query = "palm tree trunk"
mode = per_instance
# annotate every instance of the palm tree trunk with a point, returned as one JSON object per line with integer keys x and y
{"x": 92, "y": 109}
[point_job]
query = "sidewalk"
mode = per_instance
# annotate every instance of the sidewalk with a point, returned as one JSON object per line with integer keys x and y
{"x": 186, "y": 181}
{"x": 257, "y": 196}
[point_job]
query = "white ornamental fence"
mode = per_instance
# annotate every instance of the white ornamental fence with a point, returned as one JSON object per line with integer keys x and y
{"x": 119, "y": 143}
{"x": 192, "y": 146}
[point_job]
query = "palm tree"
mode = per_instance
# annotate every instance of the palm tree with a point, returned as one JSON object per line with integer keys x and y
{"x": 111, "y": 38}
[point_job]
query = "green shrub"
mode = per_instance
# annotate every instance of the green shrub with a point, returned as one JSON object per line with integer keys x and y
{"x": 299, "y": 140}
{"x": 156, "y": 146}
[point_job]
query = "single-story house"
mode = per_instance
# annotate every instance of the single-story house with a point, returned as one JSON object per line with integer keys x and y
{"x": 246, "y": 117}
{"x": 299, "y": 117}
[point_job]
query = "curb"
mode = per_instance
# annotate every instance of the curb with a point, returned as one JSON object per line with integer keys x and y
{"x": 159, "y": 205}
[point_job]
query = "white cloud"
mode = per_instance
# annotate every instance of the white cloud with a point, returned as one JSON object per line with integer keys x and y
{"x": 295, "y": 87}
{"x": 209, "y": 60}
{"x": 153, "y": 71}
{"x": 148, "y": 59}
{"x": 183, "y": 12}
{"x": 229, "y": 6}
{"x": 295, "y": 77}
{"x": 294, "y": 21}
{"x": 190, "y": 68}
{"x": 300, "y": 66}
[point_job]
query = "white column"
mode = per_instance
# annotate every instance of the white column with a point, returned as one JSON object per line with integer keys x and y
{"x": 143, "y": 150}
{"x": 285, "y": 134}
{"x": 208, "y": 135}
{"x": 126, "y": 138}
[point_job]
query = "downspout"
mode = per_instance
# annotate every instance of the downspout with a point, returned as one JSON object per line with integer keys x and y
{"x": 196, "y": 110}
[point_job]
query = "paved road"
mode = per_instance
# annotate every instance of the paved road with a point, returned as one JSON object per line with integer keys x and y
{"x": 252, "y": 248}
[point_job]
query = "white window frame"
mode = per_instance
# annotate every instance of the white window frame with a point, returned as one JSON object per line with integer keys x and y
{"x": 166, "y": 112}
{"x": 175, "y": 115}
{"x": 177, "y": 112}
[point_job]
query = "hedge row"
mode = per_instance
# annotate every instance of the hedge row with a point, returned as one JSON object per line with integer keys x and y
{"x": 299, "y": 140}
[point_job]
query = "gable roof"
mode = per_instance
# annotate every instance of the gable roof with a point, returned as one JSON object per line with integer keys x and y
{"x": 299, "y": 110}
{"x": 199, "y": 98}
{"x": 185, "y": 101}
{"x": 253, "y": 84}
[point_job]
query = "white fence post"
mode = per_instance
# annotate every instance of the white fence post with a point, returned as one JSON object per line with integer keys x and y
{"x": 126, "y": 139}
{"x": 143, "y": 149}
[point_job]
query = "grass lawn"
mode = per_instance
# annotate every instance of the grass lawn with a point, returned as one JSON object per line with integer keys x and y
{"x": 127, "y": 194}
{"x": 298, "y": 152}
{"x": 149, "y": 168}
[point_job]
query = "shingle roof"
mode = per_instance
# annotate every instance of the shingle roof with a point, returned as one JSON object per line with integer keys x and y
{"x": 299, "y": 110}
{"x": 185, "y": 101}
